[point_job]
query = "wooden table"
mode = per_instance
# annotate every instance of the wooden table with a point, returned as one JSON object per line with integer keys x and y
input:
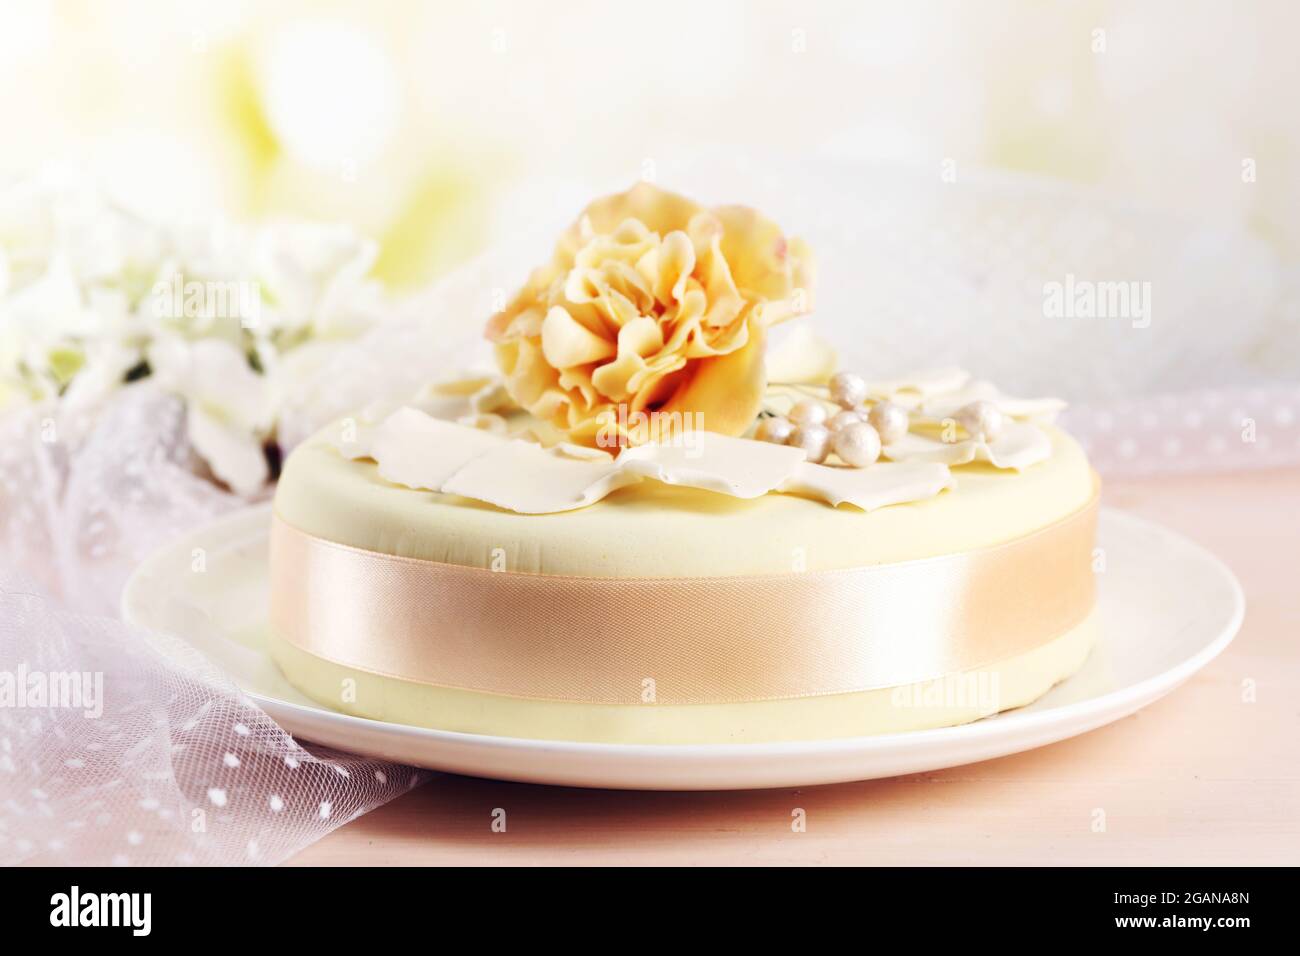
{"x": 1204, "y": 776}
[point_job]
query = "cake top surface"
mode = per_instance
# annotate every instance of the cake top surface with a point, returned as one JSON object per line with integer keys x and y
{"x": 652, "y": 529}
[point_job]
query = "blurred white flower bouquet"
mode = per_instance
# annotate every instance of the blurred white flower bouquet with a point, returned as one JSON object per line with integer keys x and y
{"x": 228, "y": 318}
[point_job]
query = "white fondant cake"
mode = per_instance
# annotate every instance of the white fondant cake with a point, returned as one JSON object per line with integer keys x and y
{"x": 644, "y": 539}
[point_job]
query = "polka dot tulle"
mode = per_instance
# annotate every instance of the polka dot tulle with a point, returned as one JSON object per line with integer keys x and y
{"x": 162, "y": 767}
{"x": 1222, "y": 429}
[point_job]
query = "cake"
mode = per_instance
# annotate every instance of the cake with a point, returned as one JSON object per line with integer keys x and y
{"x": 631, "y": 533}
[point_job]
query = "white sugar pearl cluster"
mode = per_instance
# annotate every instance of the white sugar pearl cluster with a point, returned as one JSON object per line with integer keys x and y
{"x": 982, "y": 420}
{"x": 857, "y": 444}
{"x": 848, "y": 389}
{"x": 889, "y": 420}
{"x": 808, "y": 413}
{"x": 854, "y": 433}
{"x": 810, "y": 431}
{"x": 776, "y": 430}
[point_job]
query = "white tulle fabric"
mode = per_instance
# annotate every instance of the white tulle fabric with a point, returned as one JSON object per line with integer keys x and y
{"x": 915, "y": 272}
{"x": 179, "y": 767}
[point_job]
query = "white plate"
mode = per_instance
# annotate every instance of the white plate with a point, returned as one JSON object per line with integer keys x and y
{"x": 1167, "y": 608}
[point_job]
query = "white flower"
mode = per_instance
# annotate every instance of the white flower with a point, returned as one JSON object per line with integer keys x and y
{"x": 51, "y": 308}
{"x": 87, "y": 289}
{"x": 228, "y": 406}
{"x": 315, "y": 279}
{"x": 106, "y": 363}
{"x": 27, "y": 232}
{"x": 40, "y": 331}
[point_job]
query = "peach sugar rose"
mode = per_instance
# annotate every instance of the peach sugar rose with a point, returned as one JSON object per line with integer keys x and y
{"x": 649, "y": 304}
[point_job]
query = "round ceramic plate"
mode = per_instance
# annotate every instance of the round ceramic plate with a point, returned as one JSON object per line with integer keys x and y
{"x": 1167, "y": 608}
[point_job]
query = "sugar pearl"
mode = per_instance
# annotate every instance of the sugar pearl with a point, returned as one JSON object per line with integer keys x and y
{"x": 857, "y": 445}
{"x": 844, "y": 419}
{"x": 847, "y": 389}
{"x": 981, "y": 419}
{"x": 808, "y": 412}
{"x": 775, "y": 430}
{"x": 889, "y": 419}
{"x": 815, "y": 440}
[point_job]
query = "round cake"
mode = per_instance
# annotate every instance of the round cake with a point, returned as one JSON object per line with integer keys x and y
{"x": 656, "y": 530}
{"x": 655, "y": 524}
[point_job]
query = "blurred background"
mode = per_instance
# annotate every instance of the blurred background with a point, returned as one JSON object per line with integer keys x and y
{"x": 945, "y": 159}
{"x": 418, "y": 121}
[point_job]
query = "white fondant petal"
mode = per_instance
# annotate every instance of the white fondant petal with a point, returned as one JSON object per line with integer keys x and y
{"x": 912, "y": 390}
{"x": 739, "y": 467}
{"x": 1019, "y": 445}
{"x": 914, "y": 447}
{"x": 492, "y": 397}
{"x": 1042, "y": 410}
{"x": 358, "y": 446}
{"x": 466, "y": 384}
{"x": 353, "y": 436}
{"x": 527, "y": 478}
{"x": 412, "y": 448}
{"x": 485, "y": 421}
{"x": 946, "y": 406}
{"x": 877, "y": 486}
{"x": 584, "y": 452}
{"x": 378, "y": 410}
{"x": 420, "y": 451}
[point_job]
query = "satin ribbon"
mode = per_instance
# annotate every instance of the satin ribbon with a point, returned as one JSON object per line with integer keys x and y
{"x": 680, "y": 640}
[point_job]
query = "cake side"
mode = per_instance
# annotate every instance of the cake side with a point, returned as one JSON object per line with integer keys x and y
{"x": 958, "y": 699}
{"x": 657, "y": 530}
